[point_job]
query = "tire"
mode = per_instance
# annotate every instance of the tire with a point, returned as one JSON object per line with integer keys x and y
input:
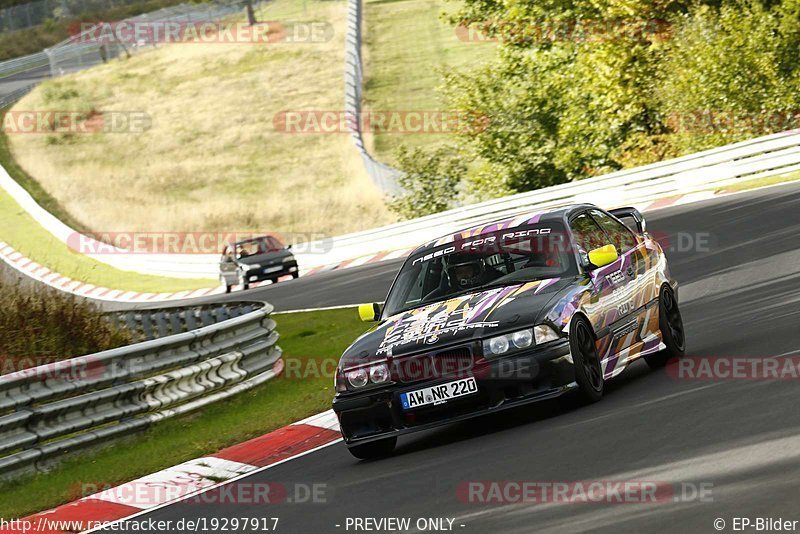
{"x": 243, "y": 282}
{"x": 224, "y": 285}
{"x": 374, "y": 449}
{"x": 273, "y": 280}
{"x": 295, "y": 275}
{"x": 670, "y": 323}
{"x": 588, "y": 371}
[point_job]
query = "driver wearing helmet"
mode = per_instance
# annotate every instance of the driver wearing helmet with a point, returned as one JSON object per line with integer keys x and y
{"x": 466, "y": 271}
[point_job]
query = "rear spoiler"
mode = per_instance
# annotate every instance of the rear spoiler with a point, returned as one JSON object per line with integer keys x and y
{"x": 630, "y": 217}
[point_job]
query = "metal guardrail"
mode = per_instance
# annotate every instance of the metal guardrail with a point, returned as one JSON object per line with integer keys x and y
{"x": 66, "y": 406}
{"x": 22, "y": 64}
{"x": 384, "y": 176}
{"x": 86, "y": 49}
{"x": 728, "y": 165}
{"x": 144, "y": 325}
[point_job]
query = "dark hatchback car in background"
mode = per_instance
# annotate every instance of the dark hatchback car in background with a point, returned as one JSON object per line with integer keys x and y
{"x": 255, "y": 260}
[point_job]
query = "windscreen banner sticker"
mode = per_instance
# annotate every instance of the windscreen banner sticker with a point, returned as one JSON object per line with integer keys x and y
{"x": 485, "y": 242}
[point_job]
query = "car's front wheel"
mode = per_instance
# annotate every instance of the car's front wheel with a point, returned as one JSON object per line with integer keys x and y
{"x": 588, "y": 372}
{"x": 374, "y": 449}
{"x": 670, "y": 322}
{"x": 243, "y": 282}
{"x": 224, "y": 284}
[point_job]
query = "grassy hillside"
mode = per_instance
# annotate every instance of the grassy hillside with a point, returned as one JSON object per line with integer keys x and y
{"x": 212, "y": 159}
{"x": 408, "y": 48}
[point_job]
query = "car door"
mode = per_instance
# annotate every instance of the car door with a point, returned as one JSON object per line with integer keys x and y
{"x": 639, "y": 300}
{"x": 639, "y": 264}
{"x": 610, "y": 308}
{"x": 227, "y": 268}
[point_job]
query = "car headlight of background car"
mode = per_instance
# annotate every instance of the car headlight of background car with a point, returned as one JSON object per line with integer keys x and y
{"x": 361, "y": 377}
{"x": 519, "y": 340}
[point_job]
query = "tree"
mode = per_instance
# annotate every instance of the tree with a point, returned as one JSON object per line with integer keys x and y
{"x": 429, "y": 182}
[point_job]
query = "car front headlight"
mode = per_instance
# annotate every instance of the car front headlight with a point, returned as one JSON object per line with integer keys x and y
{"x": 363, "y": 376}
{"x": 378, "y": 374}
{"x": 251, "y": 266}
{"x": 287, "y": 259}
{"x": 499, "y": 345}
{"x": 358, "y": 378}
{"x": 519, "y": 340}
{"x": 522, "y": 339}
{"x": 544, "y": 333}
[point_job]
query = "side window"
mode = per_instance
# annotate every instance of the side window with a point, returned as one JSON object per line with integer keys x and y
{"x": 619, "y": 234}
{"x": 587, "y": 234}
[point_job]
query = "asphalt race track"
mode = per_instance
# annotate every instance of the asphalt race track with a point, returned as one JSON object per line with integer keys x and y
{"x": 348, "y": 286}
{"x": 9, "y": 84}
{"x": 739, "y": 439}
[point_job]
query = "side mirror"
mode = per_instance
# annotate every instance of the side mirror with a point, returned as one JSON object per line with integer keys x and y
{"x": 369, "y": 313}
{"x": 600, "y": 257}
{"x": 289, "y": 246}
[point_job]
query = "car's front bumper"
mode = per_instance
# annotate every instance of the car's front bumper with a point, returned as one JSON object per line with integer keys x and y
{"x": 503, "y": 383}
{"x": 267, "y": 273}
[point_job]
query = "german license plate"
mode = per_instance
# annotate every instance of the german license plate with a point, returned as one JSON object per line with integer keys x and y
{"x": 272, "y": 269}
{"x": 438, "y": 394}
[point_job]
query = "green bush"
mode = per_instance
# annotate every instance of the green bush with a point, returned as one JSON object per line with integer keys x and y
{"x": 429, "y": 182}
{"x": 41, "y": 325}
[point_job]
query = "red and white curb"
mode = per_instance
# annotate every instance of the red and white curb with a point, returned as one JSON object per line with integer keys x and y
{"x": 44, "y": 275}
{"x": 185, "y": 480}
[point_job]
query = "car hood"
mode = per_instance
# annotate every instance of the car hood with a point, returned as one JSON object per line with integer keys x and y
{"x": 461, "y": 319}
{"x": 267, "y": 258}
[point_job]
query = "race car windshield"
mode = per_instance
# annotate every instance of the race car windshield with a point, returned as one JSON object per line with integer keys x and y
{"x": 521, "y": 254}
{"x": 254, "y": 247}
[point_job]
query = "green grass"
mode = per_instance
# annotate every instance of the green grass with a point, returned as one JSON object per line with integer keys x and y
{"x": 42, "y": 197}
{"x": 408, "y": 48}
{"x": 27, "y": 236}
{"x": 22, "y": 232}
{"x": 761, "y": 182}
{"x": 310, "y": 338}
